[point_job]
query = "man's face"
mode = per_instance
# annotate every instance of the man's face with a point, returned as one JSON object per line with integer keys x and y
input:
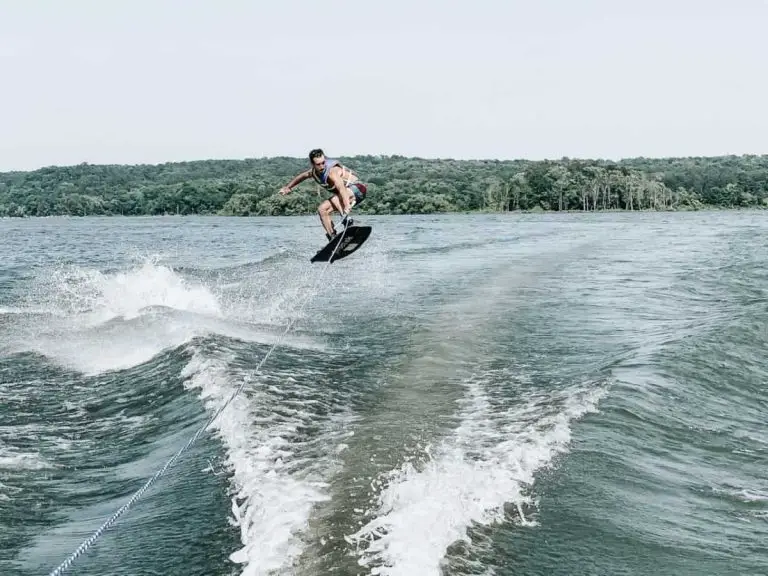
{"x": 318, "y": 163}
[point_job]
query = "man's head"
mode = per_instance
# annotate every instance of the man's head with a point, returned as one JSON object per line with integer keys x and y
{"x": 317, "y": 158}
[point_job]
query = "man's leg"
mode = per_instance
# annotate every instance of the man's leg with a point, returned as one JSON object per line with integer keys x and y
{"x": 325, "y": 210}
{"x": 336, "y": 202}
{"x": 359, "y": 190}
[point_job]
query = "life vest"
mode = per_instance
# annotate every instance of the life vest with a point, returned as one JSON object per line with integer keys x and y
{"x": 322, "y": 179}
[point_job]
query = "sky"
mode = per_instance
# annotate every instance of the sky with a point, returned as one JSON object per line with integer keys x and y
{"x": 152, "y": 81}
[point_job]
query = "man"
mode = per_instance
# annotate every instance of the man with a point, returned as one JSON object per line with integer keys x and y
{"x": 333, "y": 176}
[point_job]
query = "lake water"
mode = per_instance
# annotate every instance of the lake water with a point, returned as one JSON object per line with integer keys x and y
{"x": 549, "y": 394}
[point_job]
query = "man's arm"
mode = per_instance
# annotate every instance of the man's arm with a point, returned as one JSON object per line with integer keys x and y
{"x": 298, "y": 179}
{"x": 344, "y": 192}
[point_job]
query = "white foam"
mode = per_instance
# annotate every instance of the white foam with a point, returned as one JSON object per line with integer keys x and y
{"x": 273, "y": 497}
{"x": 93, "y": 322}
{"x": 748, "y": 495}
{"x": 486, "y": 463}
{"x": 6, "y": 491}
{"x": 127, "y": 294}
{"x": 21, "y": 461}
{"x": 116, "y": 321}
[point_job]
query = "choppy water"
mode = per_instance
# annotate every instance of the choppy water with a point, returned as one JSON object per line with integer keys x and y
{"x": 518, "y": 394}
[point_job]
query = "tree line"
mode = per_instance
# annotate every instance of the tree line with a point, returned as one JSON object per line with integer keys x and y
{"x": 397, "y": 185}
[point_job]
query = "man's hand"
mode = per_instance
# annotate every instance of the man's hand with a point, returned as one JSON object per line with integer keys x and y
{"x": 345, "y": 204}
{"x": 285, "y": 190}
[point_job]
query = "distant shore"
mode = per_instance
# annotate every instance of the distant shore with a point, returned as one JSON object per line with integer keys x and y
{"x": 396, "y": 185}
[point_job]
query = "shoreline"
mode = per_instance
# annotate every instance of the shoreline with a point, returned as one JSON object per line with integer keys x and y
{"x": 441, "y": 213}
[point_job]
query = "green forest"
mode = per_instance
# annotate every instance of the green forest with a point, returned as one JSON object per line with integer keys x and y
{"x": 397, "y": 185}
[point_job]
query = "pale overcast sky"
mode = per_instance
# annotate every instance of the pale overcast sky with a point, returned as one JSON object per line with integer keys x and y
{"x": 148, "y": 81}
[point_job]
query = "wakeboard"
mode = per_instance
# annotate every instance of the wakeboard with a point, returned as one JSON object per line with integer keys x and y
{"x": 343, "y": 244}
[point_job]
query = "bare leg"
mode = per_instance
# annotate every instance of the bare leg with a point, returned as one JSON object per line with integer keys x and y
{"x": 325, "y": 210}
{"x": 336, "y": 202}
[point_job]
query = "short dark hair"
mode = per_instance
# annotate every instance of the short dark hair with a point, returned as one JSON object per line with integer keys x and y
{"x": 316, "y": 153}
